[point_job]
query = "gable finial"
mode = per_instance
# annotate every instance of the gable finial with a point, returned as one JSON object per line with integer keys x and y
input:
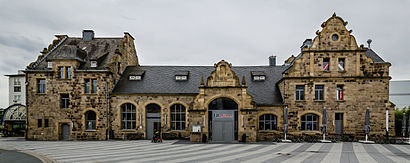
{"x": 334, "y": 14}
{"x": 243, "y": 80}
{"x": 202, "y": 81}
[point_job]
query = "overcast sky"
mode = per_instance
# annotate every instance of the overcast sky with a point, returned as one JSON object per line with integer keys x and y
{"x": 201, "y": 32}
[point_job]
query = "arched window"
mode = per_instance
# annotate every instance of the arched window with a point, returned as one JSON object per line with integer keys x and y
{"x": 178, "y": 117}
{"x": 310, "y": 122}
{"x": 128, "y": 116}
{"x": 90, "y": 120}
{"x": 223, "y": 104}
{"x": 267, "y": 122}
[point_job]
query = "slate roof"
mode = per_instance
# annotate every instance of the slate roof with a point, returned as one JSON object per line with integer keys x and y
{"x": 99, "y": 49}
{"x": 376, "y": 58}
{"x": 161, "y": 80}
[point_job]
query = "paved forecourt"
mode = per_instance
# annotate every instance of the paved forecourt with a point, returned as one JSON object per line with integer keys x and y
{"x": 175, "y": 151}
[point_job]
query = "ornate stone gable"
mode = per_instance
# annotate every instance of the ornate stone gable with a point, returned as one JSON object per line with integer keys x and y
{"x": 334, "y": 36}
{"x": 223, "y": 76}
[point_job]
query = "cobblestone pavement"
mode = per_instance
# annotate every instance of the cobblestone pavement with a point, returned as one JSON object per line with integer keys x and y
{"x": 175, "y": 151}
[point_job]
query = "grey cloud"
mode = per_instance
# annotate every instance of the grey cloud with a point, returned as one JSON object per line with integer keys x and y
{"x": 202, "y": 32}
{"x": 21, "y": 42}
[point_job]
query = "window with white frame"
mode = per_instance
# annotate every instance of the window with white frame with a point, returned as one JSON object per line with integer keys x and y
{"x": 17, "y": 81}
{"x": 300, "y": 92}
{"x": 340, "y": 92}
{"x": 309, "y": 122}
{"x": 64, "y": 72}
{"x": 267, "y": 122}
{"x": 178, "y": 117}
{"x": 128, "y": 116}
{"x": 17, "y": 98}
{"x": 341, "y": 64}
{"x": 41, "y": 86}
{"x": 319, "y": 92}
{"x": 91, "y": 86}
{"x": 181, "y": 77}
{"x": 326, "y": 64}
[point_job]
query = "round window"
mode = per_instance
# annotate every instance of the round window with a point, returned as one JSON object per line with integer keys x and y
{"x": 335, "y": 37}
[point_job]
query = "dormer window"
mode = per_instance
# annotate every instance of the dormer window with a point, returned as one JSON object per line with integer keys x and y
{"x": 258, "y": 75}
{"x": 258, "y": 78}
{"x": 181, "y": 75}
{"x": 93, "y": 63}
{"x": 49, "y": 64}
{"x": 136, "y": 75}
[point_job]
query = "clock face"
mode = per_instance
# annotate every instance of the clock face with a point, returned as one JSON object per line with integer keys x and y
{"x": 335, "y": 37}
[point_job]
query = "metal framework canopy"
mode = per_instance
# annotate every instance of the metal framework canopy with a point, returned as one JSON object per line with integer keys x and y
{"x": 16, "y": 112}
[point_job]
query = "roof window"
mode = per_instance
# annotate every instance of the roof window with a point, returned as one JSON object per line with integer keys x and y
{"x": 136, "y": 75}
{"x": 181, "y": 75}
{"x": 49, "y": 64}
{"x": 258, "y": 75}
{"x": 93, "y": 63}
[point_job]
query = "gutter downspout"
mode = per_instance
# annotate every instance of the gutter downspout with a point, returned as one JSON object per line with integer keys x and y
{"x": 27, "y": 114}
{"x": 107, "y": 126}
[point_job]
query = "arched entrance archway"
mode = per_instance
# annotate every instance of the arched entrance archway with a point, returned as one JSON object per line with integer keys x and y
{"x": 223, "y": 120}
{"x": 153, "y": 119}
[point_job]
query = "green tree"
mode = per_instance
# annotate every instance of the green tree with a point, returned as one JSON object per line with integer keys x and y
{"x": 399, "y": 120}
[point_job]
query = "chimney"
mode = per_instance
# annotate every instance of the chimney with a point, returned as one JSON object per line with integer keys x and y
{"x": 306, "y": 44}
{"x": 272, "y": 61}
{"x": 88, "y": 35}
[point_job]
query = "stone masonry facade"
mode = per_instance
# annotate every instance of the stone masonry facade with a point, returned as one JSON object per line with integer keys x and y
{"x": 330, "y": 72}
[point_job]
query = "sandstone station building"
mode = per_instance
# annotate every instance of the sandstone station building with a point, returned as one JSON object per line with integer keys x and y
{"x": 91, "y": 88}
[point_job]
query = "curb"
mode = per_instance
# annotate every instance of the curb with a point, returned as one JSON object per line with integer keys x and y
{"x": 43, "y": 158}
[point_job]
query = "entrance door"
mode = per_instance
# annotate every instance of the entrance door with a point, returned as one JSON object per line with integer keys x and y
{"x": 339, "y": 123}
{"x": 65, "y": 131}
{"x": 153, "y": 124}
{"x": 153, "y": 119}
{"x": 223, "y": 125}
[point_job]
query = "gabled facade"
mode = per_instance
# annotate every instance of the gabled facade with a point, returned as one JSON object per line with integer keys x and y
{"x": 94, "y": 89}
{"x": 333, "y": 72}
{"x": 69, "y": 85}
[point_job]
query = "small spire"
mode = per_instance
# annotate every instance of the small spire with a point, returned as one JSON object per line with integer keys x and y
{"x": 243, "y": 80}
{"x": 334, "y": 14}
{"x": 202, "y": 81}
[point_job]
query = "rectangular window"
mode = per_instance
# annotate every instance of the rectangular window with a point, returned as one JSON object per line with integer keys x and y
{"x": 326, "y": 64}
{"x": 300, "y": 92}
{"x": 94, "y": 86}
{"x": 17, "y": 89}
{"x": 41, "y": 85}
{"x": 319, "y": 92}
{"x": 90, "y": 85}
{"x": 341, "y": 64}
{"x": 61, "y": 72}
{"x": 39, "y": 123}
{"x": 65, "y": 100}
{"x": 45, "y": 123}
{"x": 17, "y": 98}
{"x": 68, "y": 72}
{"x": 17, "y": 81}
{"x": 340, "y": 92}
{"x": 64, "y": 72}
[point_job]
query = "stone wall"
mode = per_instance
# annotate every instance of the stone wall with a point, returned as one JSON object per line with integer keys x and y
{"x": 47, "y": 106}
{"x": 140, "y": 102}
{"x": 365, "y": 84}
